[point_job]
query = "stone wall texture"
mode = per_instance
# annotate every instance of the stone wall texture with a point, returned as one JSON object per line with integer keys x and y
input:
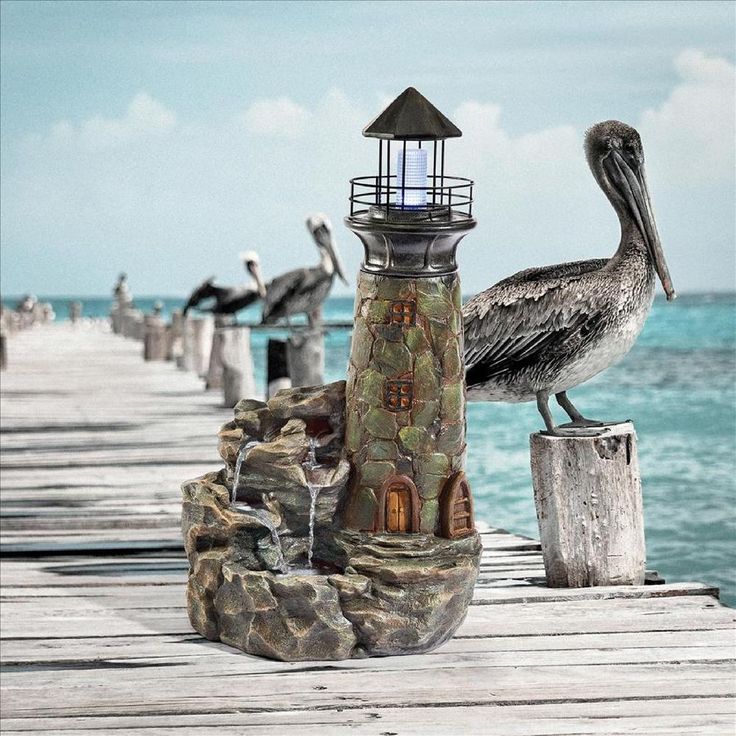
{"x": 405, "y": 401}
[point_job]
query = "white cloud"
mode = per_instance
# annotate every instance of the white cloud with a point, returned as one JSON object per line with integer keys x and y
{"x": 143, "y": 117}
{"x": 146, "y": 188}
{"x": 691, "y": 134}
{"x": 279, "y": 117}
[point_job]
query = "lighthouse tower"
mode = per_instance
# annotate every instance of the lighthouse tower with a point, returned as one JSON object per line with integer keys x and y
{"x": 405, "y": 401}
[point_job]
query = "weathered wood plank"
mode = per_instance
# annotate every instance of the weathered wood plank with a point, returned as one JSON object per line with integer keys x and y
{"x": 96, "y": 640}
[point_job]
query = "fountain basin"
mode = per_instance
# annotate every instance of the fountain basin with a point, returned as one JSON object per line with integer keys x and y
{"x": 391, "y": 594}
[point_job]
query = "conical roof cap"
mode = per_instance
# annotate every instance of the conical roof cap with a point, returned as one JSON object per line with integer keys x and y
{"x": 412, "y": 117}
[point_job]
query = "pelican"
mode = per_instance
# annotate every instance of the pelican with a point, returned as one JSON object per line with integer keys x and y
{"x": 230, "y": 299}
{"x": 546, "y": 330}
{"x": 304, "y": 289}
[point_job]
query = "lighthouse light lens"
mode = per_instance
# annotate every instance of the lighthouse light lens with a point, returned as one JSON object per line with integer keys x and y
{"x": 411, "y": 178}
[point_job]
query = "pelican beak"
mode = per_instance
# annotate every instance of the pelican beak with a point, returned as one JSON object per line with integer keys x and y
{"x": 255, "y": 270}
{"x": 336, "y": 262}
{"x": 631, "y": 182}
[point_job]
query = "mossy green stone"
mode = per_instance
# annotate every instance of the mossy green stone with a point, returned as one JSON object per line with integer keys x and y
{"x": 378, "y": 311}
{"x": 456, "y": 322}
{"x": 414, "y": 440}
{"x": 416, "y": 340}
{"x": 392, "y": 358}
{"x": 429, "y": 486}
{"x": 433, "y": 464}
{"x": 424, "y": 413}
{"x": 353, "y": 434}
{"x": 428, "y": 516}
{"x": 426, "y": 377}
{"x": 434, "y": 288}
{"x": 369, "y": 387}
{"x": 456, "y": 295}
{"x": 442, "y": 336}
{"x": 453, "y": 401}
{"x": 362, "y": 509}
{"x": 395, "y": 289}
{"x": 380, "y": 423}
{"x": 374, "y": 472}
{"x": 451, "y": 364}
{"x": 382, "y": 450}
{"x": 362, "y": 344}
{"x": 433, "y": 305}
{"x": 450, "y": 439}
{"x": 367, "y": 286}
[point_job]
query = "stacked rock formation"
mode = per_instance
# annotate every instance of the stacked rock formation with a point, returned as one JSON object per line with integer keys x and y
{"x": 368, "y": 594}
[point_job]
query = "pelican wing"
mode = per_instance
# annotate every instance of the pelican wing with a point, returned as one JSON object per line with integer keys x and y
{"x": 540, "y": 310}
{"x": 280, "y": 291}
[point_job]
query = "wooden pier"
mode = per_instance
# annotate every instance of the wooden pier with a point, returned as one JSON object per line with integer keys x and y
{"x": 95, "y": 636}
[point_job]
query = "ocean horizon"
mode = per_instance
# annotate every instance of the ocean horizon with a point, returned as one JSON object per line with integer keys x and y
{"x": 678, "y": 386}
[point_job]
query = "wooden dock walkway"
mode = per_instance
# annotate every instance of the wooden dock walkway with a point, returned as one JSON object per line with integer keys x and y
{"x": 95, "y": 637}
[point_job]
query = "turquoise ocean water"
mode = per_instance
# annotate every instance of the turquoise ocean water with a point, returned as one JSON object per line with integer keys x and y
{"x": 677, "y": 384}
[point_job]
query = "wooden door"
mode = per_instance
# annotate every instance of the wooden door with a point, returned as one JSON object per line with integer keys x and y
{"x": 398, "y": 508}
{"x": 456, "y": 508}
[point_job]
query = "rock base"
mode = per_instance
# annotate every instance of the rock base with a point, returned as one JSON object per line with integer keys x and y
{"x": 376, "y": 595}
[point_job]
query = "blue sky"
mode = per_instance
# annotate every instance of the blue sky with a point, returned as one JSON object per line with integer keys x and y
{"x": 164, "y": 138}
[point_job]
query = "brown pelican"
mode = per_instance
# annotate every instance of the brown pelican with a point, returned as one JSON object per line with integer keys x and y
{"x": 545, "y": 330}
{"x": 303, "y": 290}
{"x": 230, "y": 299}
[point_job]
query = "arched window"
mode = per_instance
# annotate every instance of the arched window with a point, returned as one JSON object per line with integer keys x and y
{"x": 456, "y": 508}
{"x": 398, "y": 506}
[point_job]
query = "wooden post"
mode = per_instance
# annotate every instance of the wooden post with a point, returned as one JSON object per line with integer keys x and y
{"x": 306, "y": 357}
{"x": 215, "y": 369}
{"x": 587, "y": 492}
{"x": 174, "y": 336}
{"x": 237, "y": 365}
{"x": 201, "y": 343}
{"x": 277, "y": 371}
{"x": 154, "y": 341}
{"x": 75, "y": 312}
{"x": 3, "y": 351}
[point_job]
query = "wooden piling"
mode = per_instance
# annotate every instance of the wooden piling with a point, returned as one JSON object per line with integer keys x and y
{"x": 587, "y": 492}
{"x": 174, "y": 336}
{"x": 75, "y": 312}
{"x": 306, "y": 357}
{"x": 155, "y": 338}
{"x": 215, "y": 367}
{"x": 238, "y": 380}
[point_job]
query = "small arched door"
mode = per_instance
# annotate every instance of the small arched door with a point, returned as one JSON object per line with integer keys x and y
{"x": 456, "y": 508}
{"x": 398, "y": 506}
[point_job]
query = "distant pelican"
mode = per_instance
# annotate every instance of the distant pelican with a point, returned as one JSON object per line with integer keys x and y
{"x": 230, "y": 299}
{"x": 545, "y": 330}
{"x": 303, "y": 290}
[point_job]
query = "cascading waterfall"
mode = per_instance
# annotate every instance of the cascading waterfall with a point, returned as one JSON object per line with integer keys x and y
{"x": 265, "y": 517}
{"x": 260, "y": 514}
{"x": 245, "y": 448}
{"x": 310, "y": 463}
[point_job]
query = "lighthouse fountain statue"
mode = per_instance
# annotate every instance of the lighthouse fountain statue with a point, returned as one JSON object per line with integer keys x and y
{"x": 348, "y": 529}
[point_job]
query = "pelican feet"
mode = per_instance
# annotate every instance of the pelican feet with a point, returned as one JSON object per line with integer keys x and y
{"x": 583, "y": 423}
{"x": 568, "y": 430}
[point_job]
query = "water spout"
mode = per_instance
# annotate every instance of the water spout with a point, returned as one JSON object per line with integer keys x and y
{"x": 310, "y": 463}
{"x": 265, "y": 517}
{"x": 244, "y": 449}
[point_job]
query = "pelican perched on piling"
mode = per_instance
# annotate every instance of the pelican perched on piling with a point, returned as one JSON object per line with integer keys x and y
{"x": 230, "y": 299}
{"x": 303, "y": 290}
{"x": 546, "y": 330}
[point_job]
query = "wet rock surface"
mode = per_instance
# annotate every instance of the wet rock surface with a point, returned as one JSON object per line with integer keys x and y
{"x": 391, "y": 594}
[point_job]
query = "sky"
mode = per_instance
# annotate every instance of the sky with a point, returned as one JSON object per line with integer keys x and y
{"x": 163, "y": 138}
